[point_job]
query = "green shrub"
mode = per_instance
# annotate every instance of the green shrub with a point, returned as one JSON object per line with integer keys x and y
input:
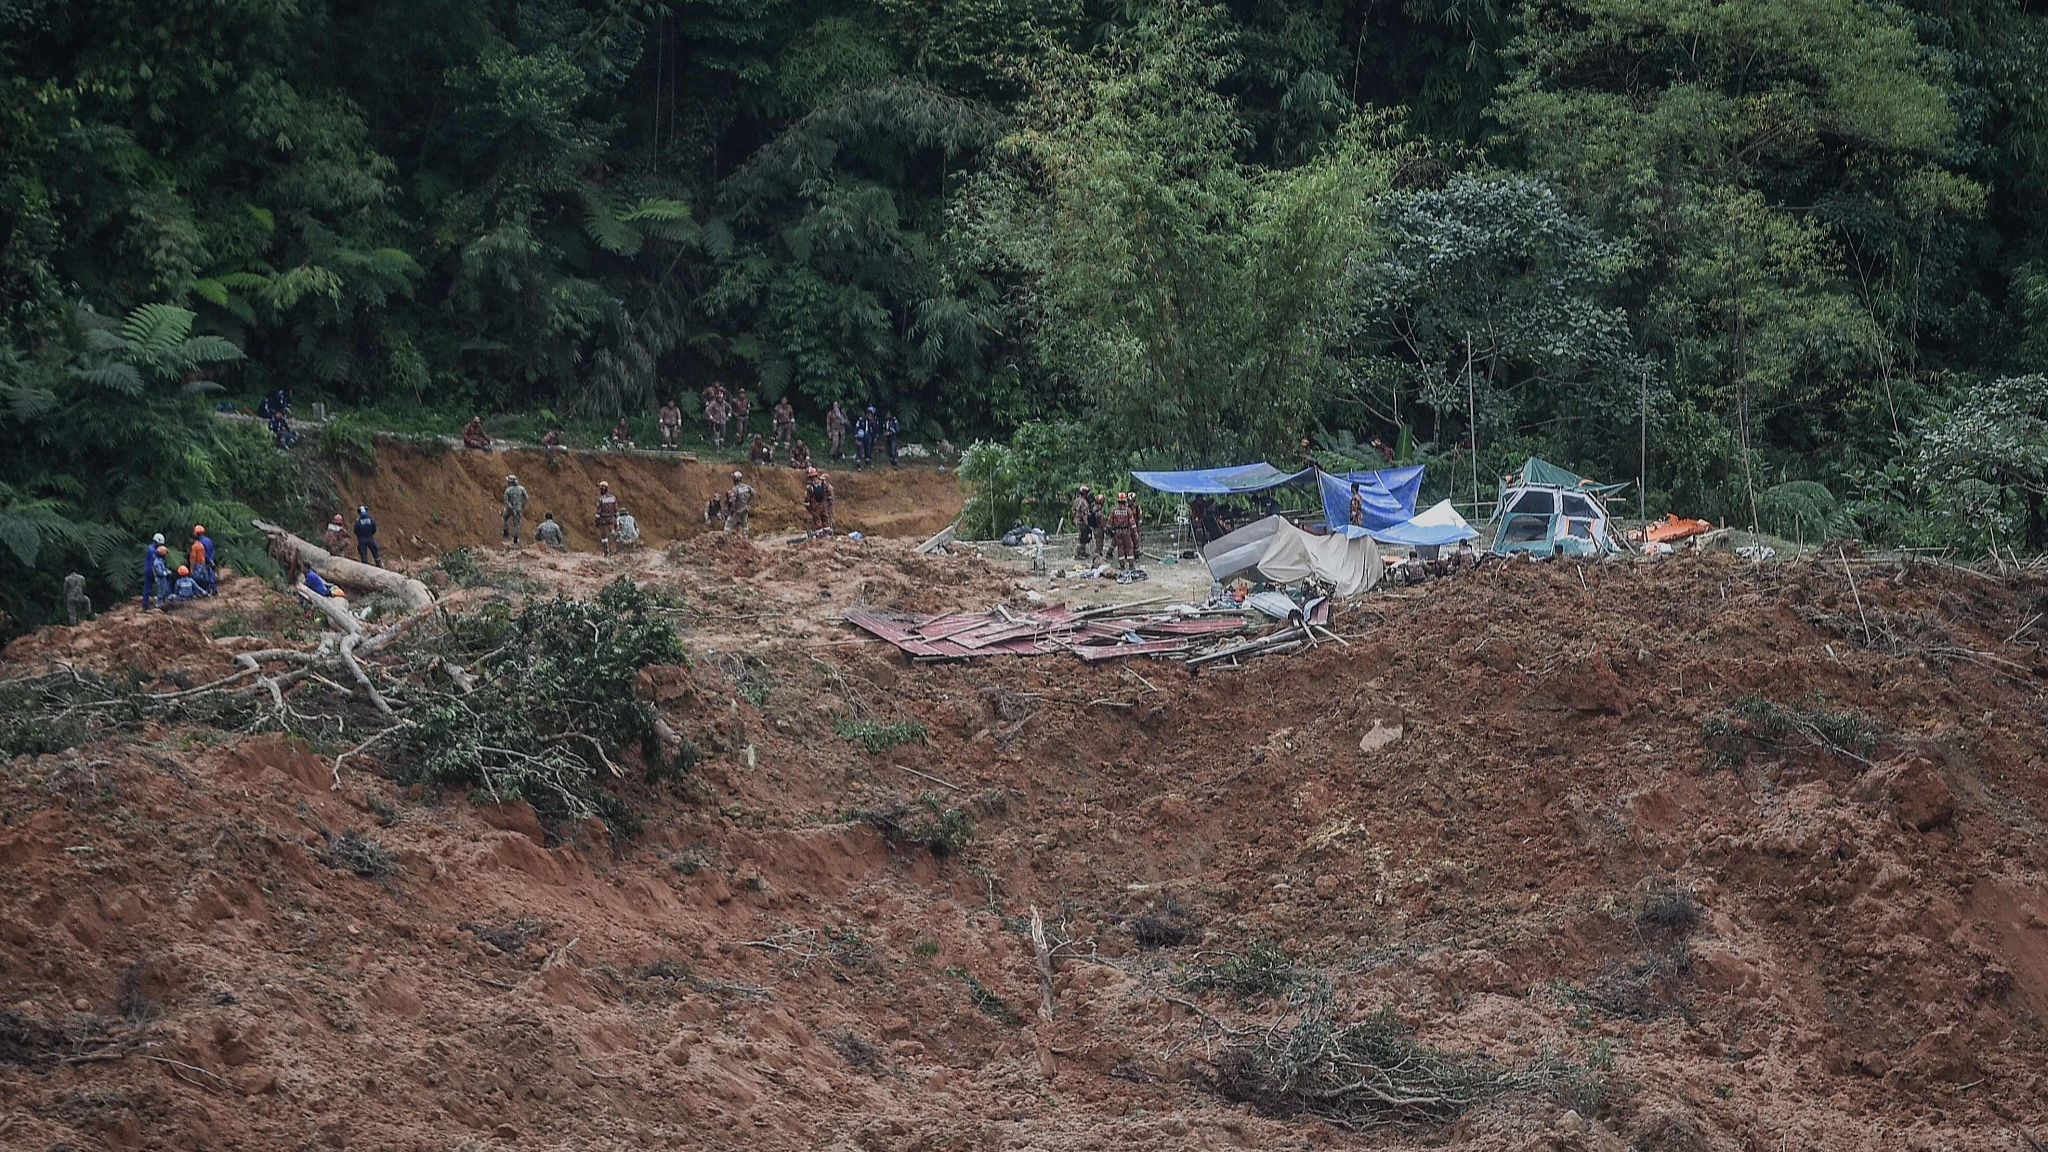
{"x": 349, "y": 442}
{"x": 555, "y": 707}
{"x": 940, "y": 830}
{"x": 1261, "y": 970}
{"x": 878, "y": 737}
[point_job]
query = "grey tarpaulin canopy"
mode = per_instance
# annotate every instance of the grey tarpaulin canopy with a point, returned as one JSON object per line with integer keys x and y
{"x": 1280, "y": 552}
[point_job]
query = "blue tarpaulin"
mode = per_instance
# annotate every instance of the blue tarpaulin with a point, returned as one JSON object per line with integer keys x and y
{"x": 1221, "y": 481}
{"x": 1389, "y": 499}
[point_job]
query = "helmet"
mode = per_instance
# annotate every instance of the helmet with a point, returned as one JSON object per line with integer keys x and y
{"x": 1123, "y": 497}
{"x": 184, "y": 571}
{"x": 604, "y": 485}
{"x": 736, "y": 475}
{"x": 362, "y": 509}
{"x": 812, "y": 472}
{"x": 511, "y": 479}
{"x": 199, "y": 529}
{"x": 337, "y": 517}
{"x": 1086, "y": 489}
{"x": 157, "y": 539}
{"x": 871, "y": 409}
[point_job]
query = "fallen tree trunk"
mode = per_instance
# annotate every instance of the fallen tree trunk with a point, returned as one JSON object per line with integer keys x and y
{"x": 349, "y": 573}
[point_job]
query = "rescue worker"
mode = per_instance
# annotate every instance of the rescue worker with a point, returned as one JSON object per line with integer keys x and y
{"x": 549, "y": 532}
{"x": 335, "y": 536}
{"x": 835, "y": 431}
{"x": 717, "y": 412}
{"x": 186, "y": 587}
{"x": 1084, "y": 509}
{"x": 785, "y": 423}
{"x": 77, "y": 605}
{"x": 864, "y": 429}
{"x": 366, "y": 538}
{"x": 515, "y": 509}
{"x": 759, "y": 452}
{"x": 891, "y": 429}
{"x": 799, "y": 454}
{"x": 1386, "y": 453}
{"x": 622, "y": 434}
{"x": 738, "y": 500}
{"x": 203, "y": 569}
{"x": 552, "y": 442}
{"x": 1357, "y": 506}
{"x": 1123, "y": 530}
{"x": 742, "y": 414}
{"x": 607, "y": 515}
{"x": 671, "y": 421}
{"x": 818, "y": 497}
{"x": 473, "y": 434}
{"x": 1098, "y": 525}
{"x": 714, "y": 510}
{"x": 155, "y": 577}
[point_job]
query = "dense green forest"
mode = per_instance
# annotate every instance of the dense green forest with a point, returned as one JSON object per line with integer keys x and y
{"x": 1801, "y": 240}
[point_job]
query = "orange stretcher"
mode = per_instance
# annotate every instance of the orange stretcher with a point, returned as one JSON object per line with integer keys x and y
{"x": 1672, "y": 529}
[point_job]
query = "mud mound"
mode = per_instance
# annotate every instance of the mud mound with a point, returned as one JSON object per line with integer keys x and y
{"x": 427, "y": 502}
{"x": 1716, "y": 856}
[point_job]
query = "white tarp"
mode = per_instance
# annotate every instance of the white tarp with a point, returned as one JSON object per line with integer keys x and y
{"x": 1440, "y": 525}
{"x": 1350, "y": 565}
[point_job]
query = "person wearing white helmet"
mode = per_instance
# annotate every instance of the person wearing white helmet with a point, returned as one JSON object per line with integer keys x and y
{"x": 366, "y": 537}
{"x": 738, "y": 501}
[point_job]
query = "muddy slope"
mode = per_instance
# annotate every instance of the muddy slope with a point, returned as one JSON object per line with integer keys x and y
{"x": 1762, "y": 856}
{"x": 427, "y": 502}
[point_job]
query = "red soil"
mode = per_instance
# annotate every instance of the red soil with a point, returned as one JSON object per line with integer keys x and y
{"x": 756, "y": 972}
{"x": 429, "y": 502}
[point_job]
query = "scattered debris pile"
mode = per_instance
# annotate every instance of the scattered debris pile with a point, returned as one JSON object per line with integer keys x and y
{"x": 1195, "y": 633}
{"x": 1103, "y": 633}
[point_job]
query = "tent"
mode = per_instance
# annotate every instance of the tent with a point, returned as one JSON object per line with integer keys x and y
{"x": 1545, "y": 510}
{"x": 1439, "y": 526}
{"x": 1349, "y": 564}
{"x": 1280, "y": 552}
{"x": 1389, "y": 498}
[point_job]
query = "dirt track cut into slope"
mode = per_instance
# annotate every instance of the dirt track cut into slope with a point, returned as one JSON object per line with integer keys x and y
{"x": 1696, "y": 854}
{"x": 427, "y": 502}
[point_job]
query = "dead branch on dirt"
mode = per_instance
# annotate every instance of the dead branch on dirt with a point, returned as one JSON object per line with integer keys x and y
{"x": 1372, "y": 1073}
{"x": 1043, "y": 952}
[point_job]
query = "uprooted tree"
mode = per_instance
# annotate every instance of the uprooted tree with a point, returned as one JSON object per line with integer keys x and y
{"x": 535, "y": 704}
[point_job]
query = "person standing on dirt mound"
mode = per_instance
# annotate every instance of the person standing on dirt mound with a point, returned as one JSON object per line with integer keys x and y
{"x": 473, "y": 434}
{"x": 742, "y": 414}
{"x": 864, "y": 428}
{"x": 716, "y": 413}
{"x": 818, "y": 498}
{"x": 335, "y": 536}
{"x": 549, "y": 532}
{"x": 77, "y": 605}
{"x": 607, "y": 515}
{"x": 835, "y": 431}
{"x": 367, "y": 550}
{"x": 785, "y": 423}
{"x": 671, "y": 421}
{"x": 152, "y": 570}
{"x": 204, "y": 569}
{"x": 739, "y": 499}
{"x": 515, "y": 510}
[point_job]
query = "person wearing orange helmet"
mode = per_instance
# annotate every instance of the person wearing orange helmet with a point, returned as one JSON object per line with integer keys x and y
{"x": 818, "y": 500}
{"x": 1123, "y": 532}
{"x": 187, "y": 588}
{"x": 335, "y": 536}
{"x": 200, "y": 557}
{"x": 156, "y": 574}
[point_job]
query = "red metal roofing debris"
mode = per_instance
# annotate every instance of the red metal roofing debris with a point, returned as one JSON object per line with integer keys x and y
{"x": 962, "y": 635}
